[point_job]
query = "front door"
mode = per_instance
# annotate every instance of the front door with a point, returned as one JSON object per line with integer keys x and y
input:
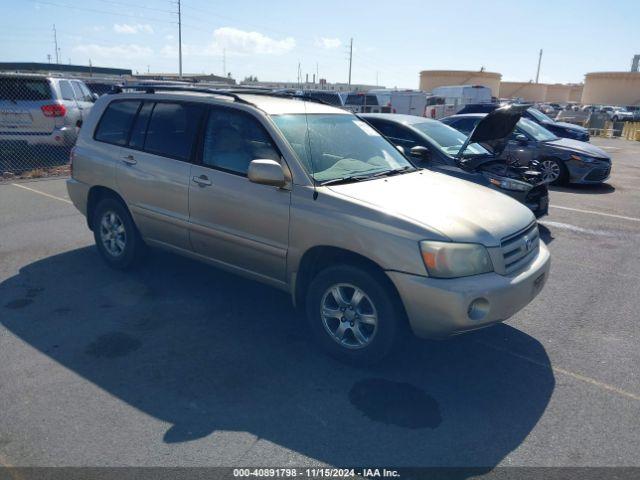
{"x": 240, "y": 224}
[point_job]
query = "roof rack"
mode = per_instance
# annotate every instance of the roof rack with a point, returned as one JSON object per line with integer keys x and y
{"x": 150, "y": 88}
{"x": 228, "y": 92}
{"x": 271, "y": 93}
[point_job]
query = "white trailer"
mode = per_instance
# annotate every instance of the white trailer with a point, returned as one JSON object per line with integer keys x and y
{"x": 457, "y": 96}
{"x": 408, "y": 102}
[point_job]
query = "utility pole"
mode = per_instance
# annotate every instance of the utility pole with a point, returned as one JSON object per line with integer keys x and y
{"x": 55, "y": 43}
{"x": 179, "y": 39}
{"x": 224, "y": 62}
{"x": 350, "y": 59}
{"x": 539, "y": 62}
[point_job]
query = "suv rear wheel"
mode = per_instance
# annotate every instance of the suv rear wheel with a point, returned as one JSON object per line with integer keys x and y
{"x": 116, "y": 236}
{"x": 353, "y": 315}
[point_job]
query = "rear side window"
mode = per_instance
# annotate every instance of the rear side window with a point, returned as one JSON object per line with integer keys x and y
{"x": 78, "y": 91}
{"x": 34, "y": 89}
{"x": 140, "y": 126}
{"x": 116, "y": 122}
{"x": 66, "y": 90}
{"x": 172, "y": 129}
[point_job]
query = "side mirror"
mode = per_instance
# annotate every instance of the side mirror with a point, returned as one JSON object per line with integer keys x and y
{"x": 421, "y": 152}
{"x": 400, "y": 149}
{"x": 94, "y": 97}
{"x": 522, "y": 139}
{"x": 266, "y": 172}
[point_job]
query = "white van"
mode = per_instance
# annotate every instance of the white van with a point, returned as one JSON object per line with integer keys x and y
{"x": 457, "y": 96}
{"x": 407, "y": 102}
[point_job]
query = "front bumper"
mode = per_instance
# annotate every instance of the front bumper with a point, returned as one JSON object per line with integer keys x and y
{"x": 588, "y": 173}
{"x": 438, "y": 308}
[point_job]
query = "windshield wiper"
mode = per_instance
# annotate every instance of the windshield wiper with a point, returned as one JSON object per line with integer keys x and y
{"x": 360, "y": 178}
{"x": 395, "y": 171}
{"x": 347, "y": 179}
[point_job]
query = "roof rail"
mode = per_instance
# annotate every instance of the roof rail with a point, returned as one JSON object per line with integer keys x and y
{"x": 271, "y": 93}
{"x": 228, "y": 92}
{"x": 150, "y": 88}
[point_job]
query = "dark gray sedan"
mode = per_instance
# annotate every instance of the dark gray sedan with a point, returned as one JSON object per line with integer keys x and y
{"x": 562, "y": 160}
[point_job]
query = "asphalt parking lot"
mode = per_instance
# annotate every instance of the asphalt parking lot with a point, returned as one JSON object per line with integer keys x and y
{"x": 180, "y": 364}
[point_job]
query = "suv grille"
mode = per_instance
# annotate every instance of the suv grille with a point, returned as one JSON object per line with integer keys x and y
{"x": 520, "y": 248}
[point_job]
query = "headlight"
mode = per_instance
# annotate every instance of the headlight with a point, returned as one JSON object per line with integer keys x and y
{"x": 509, "y": 184}
{"x": 450, "y": 260}
{"x": 583, "y": 158}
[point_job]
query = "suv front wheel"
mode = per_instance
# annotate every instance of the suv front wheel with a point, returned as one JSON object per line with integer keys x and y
{"x": 353, "y": 315}
{"x": 116, "y": 236}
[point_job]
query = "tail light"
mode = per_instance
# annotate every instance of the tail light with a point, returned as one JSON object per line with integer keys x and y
{"x": 72, "y": 155}
{"x": 54, "y": 110}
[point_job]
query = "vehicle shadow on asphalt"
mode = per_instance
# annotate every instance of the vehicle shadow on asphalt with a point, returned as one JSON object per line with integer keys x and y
{"x": 205, "y": 350}
{"x": 587, "y": 189}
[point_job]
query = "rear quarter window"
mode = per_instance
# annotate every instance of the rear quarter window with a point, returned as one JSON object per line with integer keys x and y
{"x": 25, "y": 89}
{"x": 116, "y": 121}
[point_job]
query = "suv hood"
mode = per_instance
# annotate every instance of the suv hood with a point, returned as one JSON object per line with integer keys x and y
{"x": 460, "y": 210}
{"x": 576, "y": 146}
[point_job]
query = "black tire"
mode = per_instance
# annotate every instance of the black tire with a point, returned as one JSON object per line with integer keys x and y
{"x": 134, "y": 246}
{"x": 391, "y": 324}
{"x": 563, "y": 179}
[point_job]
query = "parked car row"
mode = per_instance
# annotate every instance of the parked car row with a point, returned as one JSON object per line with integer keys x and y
{"x": 312, "y": 199}
{"x": 562, "y": 160}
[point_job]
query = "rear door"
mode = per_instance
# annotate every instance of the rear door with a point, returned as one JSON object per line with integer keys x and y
{"x": 153, "y": 170}
{"x": 83, "y": 98}
{"x": 21, "y": 112}
{"x": 238, "y": 223}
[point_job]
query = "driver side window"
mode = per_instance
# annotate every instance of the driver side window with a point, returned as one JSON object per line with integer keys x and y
{"x": 233, "y": 139}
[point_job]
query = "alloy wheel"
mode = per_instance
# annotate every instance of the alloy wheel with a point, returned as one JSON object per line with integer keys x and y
{"x": 550, "y": 171}
{"x": 112, "y": 233}
{"x": 349, "y": 316}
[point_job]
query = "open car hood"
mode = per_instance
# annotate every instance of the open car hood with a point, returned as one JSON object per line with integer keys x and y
{"x": 495, "y": 126}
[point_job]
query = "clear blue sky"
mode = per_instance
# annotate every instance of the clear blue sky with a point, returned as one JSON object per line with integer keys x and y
{"x": 393, "y": 40}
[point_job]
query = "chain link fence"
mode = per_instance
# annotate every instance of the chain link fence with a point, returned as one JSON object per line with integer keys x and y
{"x": 39, "y": 122}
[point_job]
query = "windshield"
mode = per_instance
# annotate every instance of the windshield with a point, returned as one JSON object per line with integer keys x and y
{"x": 534, "y": 130}
{"x": 335, "y": 146}
{"x": 538, "y": 115}
{"x": 448, "y": 139}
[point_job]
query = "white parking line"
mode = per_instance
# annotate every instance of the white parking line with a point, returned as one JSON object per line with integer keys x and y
{"x": 41, "y": 193}
{"x": 577, "y": 376}
{"x": 574, "y": 228}
{"x": 593, "y": 212}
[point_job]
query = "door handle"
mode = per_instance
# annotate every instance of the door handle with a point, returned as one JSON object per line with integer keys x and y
{"x": 202, "y": 180}
{"x": 129, "y": 160}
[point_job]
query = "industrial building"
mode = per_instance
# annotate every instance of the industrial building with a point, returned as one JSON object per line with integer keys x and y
{"x": 611, "y": 88}
{"x": 430, "y": 79}
{"x": 45, "y": 68}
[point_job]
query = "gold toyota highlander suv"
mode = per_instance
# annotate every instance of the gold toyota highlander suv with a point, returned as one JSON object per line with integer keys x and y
{"x": 307, "y": 198}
